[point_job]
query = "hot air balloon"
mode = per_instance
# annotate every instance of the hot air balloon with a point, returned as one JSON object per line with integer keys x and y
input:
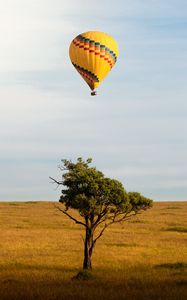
{"x": 93, "y": 54}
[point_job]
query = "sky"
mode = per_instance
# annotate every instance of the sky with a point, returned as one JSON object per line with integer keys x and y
{"x": 135, "y": 130}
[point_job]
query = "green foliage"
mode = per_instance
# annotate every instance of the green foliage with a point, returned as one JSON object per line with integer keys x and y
{"x": 92, "y": 194}
{"x": 178, "y": 228}
{"x": 138, "y": 201}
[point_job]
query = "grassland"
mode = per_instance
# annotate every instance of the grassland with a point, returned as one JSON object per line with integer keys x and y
{"x": 41, "y": 250}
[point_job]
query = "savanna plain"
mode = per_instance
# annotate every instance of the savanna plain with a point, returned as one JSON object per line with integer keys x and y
{"x": 41, "y": 250}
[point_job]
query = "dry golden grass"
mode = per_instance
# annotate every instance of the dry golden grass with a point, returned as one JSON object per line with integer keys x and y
{"x": 41, "y": 250}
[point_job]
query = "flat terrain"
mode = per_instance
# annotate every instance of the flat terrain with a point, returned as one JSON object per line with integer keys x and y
{"x": 41, "y": 250}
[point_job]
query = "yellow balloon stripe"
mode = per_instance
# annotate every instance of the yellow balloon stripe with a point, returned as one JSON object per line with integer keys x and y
{"x": 93, "y": 54}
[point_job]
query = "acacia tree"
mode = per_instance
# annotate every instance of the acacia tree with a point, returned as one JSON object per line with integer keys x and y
{"x": 100, "y": 201}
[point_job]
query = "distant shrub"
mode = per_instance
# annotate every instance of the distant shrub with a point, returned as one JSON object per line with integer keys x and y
{"x": 174, "y": 266}
{"x": 178, "y": 228}
{"x": 121, "y": 245}
{"x": 138, "y": 221}
{"x": 173, "y": 207}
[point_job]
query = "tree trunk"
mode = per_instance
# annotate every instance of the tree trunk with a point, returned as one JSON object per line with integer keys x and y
{"x": 87, "y": 263}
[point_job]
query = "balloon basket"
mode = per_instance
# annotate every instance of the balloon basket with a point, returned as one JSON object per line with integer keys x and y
{"x": 93, "y": 93}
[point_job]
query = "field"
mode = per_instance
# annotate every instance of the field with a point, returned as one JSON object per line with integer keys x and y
{"x": 41, "y": 250}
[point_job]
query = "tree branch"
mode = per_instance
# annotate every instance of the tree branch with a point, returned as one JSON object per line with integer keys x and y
{"x": 55, "y": 181}
{"x": 101, "y": 221}
{"x": 125, "y": 217}
{"x": 102, "y": 214}
{"x": 100, "y": 234}
{"x": 72, "y": 218}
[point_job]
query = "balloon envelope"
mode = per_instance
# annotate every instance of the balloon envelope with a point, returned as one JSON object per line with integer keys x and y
{"x": 93, "y": 54}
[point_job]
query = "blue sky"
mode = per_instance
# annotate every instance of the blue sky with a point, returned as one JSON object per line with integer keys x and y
{"x": 135, "y": 129}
